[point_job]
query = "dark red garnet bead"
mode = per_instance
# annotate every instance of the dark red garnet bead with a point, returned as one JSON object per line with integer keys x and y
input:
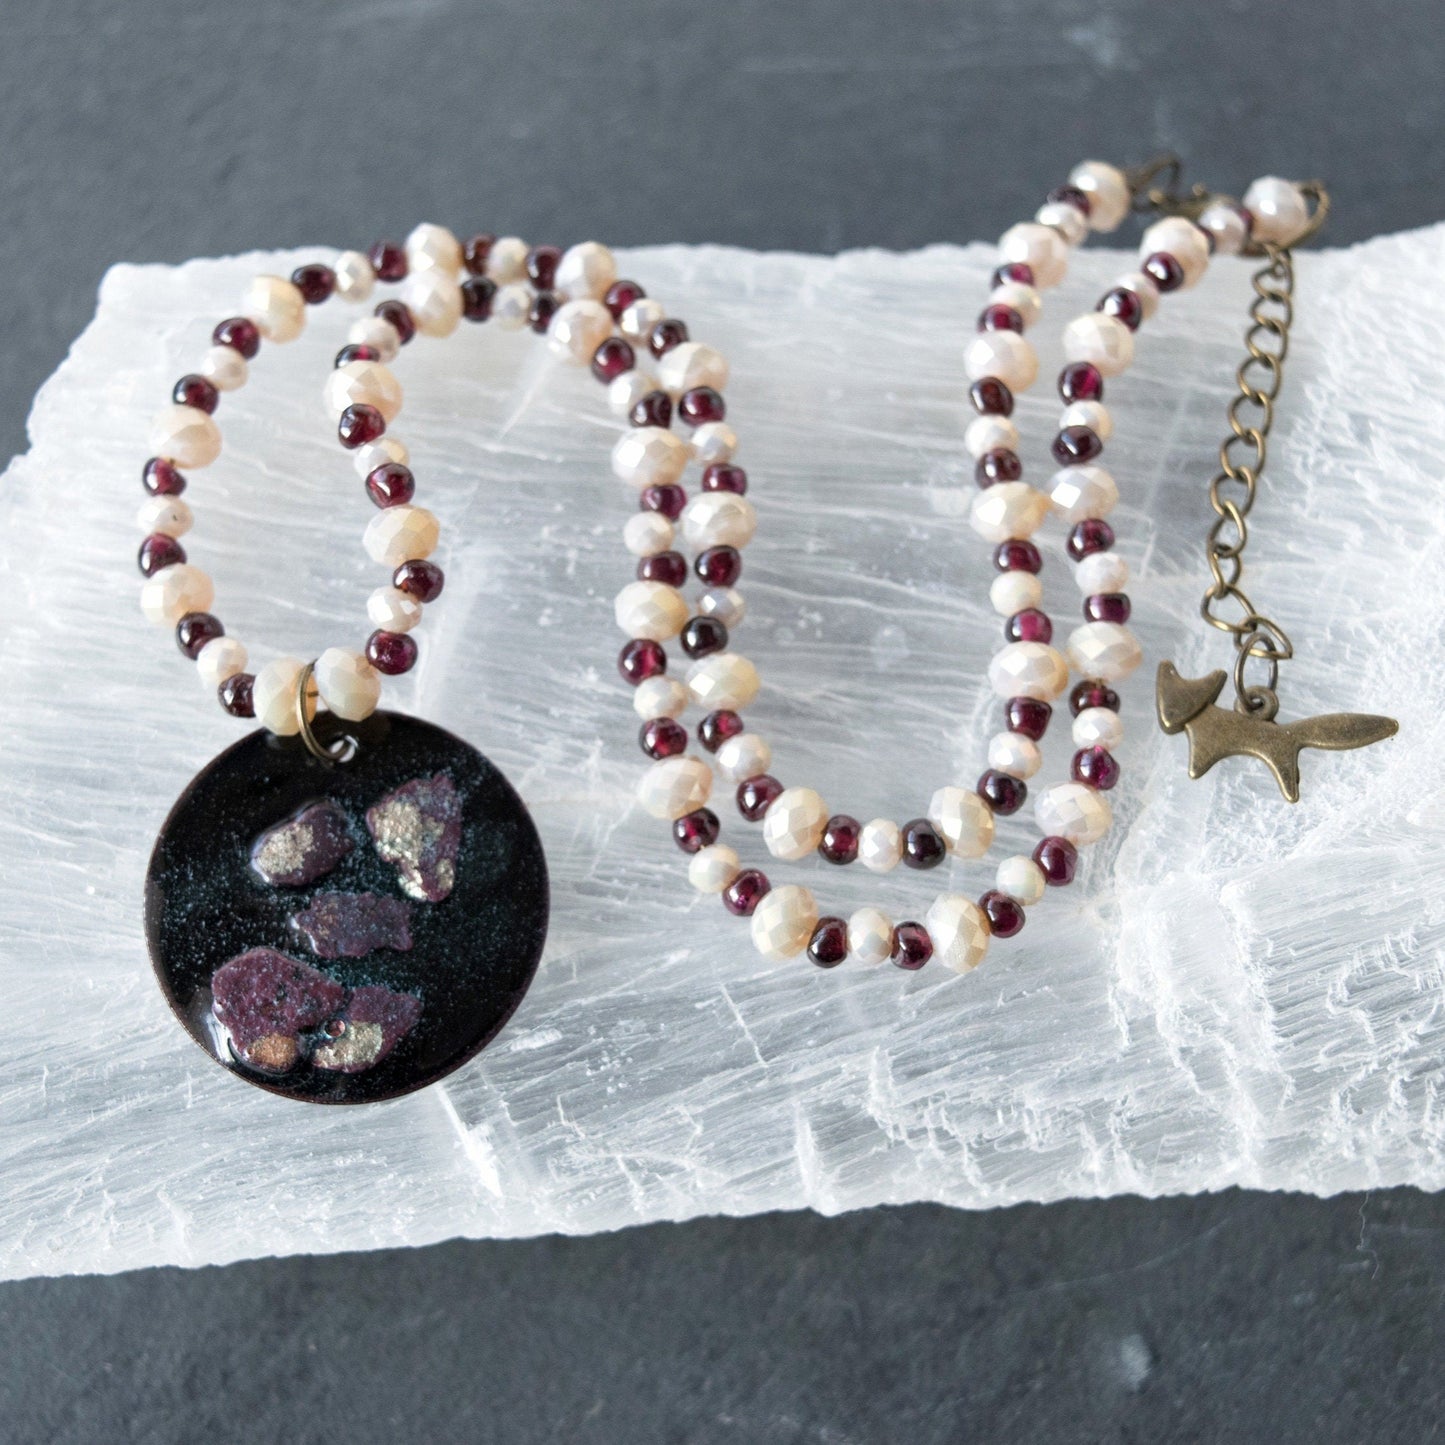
{"x": 1018, "y": 555}
{"x": 756, "y": 795}
{"x": 1000, "y": 465}
{"x": 1003, "y": 792}
{"x": 391, "y": 485}
{"x": 1005, "y": 915}
{"x": 668, "y": 567}
{"x": 640, "y": 659}
{"x": 477, "y": 295}
{"x": 1124, "y": 304}
{"x": 990, "y": 397}
{"x": 241, "y": 334}
{"x": 665, "y": 335}
{"x": 695, "y": 831}
{"x": 1097, "y": 767}
{"x": 652, "y": 409}
{"x": 1088, "y": 694}
{"x": 161, "y": 479}
{"x": 159, "y": 551}
{"x": 701, "y": 404}
{"x": 1091, "y": 535}
{"x": 1000, "y": 318}
{"x": 545, "y": 305}
{"x": 388, "y": 260}
{"x": 1028, "y": 716}
{"x": 1107, "y": 607}
{"x": 1081, "y": 381}
{"x": 620, "y": 295}
{"x": 1058, "y": 858}
{"x": 745, "y": 892}
{"x": 542, "y": 266}
{"x": 1164, "y": 271}
{"x": 355, "y": 351}
{"x": 717, "y": 727}
{"x": 1070, "y": 196}
{"x": 923, "y": 845}
{"x": 1076, "y": 444}
{"x": 719, "y": 566}
{"x": 420, "y": 579}
{"x": 477, "y": 251}
{"x": 912, "y": 947}
{"x": 359, "y": 425}
{"x": 612, "y": 358}
{"x": 1018, "y": 272}
{"x": 235, "y": 694}
{"x": 665, "y": 497}
{"x": 195, "y": 630}
{"x": 315, "y": 282}
{"x": 193, "y": 390}
{"x": 399, "y": 314}
{"x": 828, "y": 946}
{"x": 840, "y": 838}
{"x": 391, "y": 652}
{"x": 1030, "y": 625}
{"x": 662, "y": 737}
{"x": 703, "y": 635}
{"x": 724, "y": 477}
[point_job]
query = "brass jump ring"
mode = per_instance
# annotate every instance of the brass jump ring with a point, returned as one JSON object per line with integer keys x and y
{"x": 341, "y": 749}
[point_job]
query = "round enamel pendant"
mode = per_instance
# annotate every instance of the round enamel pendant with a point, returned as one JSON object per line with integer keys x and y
{"x": 345, "y": 932}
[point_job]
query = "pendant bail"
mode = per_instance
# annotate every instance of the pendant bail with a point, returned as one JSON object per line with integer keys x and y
{"x": 341, "y": 749}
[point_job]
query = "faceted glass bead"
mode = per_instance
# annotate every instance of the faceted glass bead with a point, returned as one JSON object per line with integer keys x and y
{"x": 702, "y": 635}
{"x": 1092, "y": 693}
{"x": 667, "y": 498}
{"x": 1020, "y": 273}
{"x": 756, "y": 795}
{"x": 923, "y": 845}
{"x": 240, "y": 334}
{"x": 745, "y": 892}
{"x": 398, "y": 313}
{"x": 1027, "y": 715}
{"x": 1003, "y": 792}
{"x": 990, "y": 397}
{"x": 196, "y": 391}
{"x": 391, "y": 485}
{"x": 654, "y": 409}
{"x": 391, "y": 652}
{"x": 725, "y": 477}
{"x": 912, "y": 947}
{"x": 1028, "y": 669}
{"x": 1097, "y": 767}
{"x": 662, "y": 737}
{"x": 195, "y": 630}
{"x": 1030, "y": 625}
{"x": 388, "y": 260}
{"x": 1104, "y": 650}
{"x": 962, "y": 821}
{"x": 700, "y": 405}
{"x": 793, "y": 825}
{"x": 1075, "y": 444}
{"x": 161, "y": 478}
{"x": 476, "y": 251}
{"x": 1081, "y": 381}
{"x": 420, "y": 579}
{"x": 717, "y": 727}
{"x": 612, "y": 358}
{"x": 1000, "y": 318}
{"x": 828, "y": 946}
{"x": 1091, "y": 535}
{"x": 620, "y": 295}
{"x": 1000, "y": 465}
{"x": 1018, "y": 555}
{"x": 477, "y": 295}
{"x": 542, "y": 266}
{"x": 1107, "y": 607}
{"x": 1073, "y": 811}
{"x": 235, "y": 694}
{"x": 696, "y": 830}
{"x": 719, "y": 566}
{"x": 360, "y": 424}
{"x": 665, "y": 335}
{"x": 1164, "y": 271}
{"x": 639, "y": 659}
{"x": 839, "y": 843}
{"x": 1005, "y": 915}
{"x": 1058, "y": 858}
{"x": 668, "y": 567}
{"x": 959, "y": 932}
{"x": 315, "y": 282}
{"x": 157, "y": 551}
{"x": 1124, "y": 304}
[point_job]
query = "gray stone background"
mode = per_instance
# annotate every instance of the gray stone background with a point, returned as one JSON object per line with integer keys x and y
{"x": 157, "y": 130}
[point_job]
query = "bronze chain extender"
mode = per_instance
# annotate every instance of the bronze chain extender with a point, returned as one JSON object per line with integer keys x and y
{"x": 1189, "y": 705}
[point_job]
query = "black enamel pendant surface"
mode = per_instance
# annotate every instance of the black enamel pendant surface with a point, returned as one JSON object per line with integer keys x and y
{"x": 345, "y": 932}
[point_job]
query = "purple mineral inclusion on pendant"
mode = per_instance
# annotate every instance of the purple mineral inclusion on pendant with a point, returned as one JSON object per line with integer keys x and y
{"x": 374, "y": 1022}
{"x": 350, "y": 925}
{"x": 267, "y": 1001}
{"x": 304, "y": 848}
{"x": 418, "y": 829}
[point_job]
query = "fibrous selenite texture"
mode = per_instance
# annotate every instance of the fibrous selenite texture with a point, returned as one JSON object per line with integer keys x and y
{"x": 1234, "y": 992}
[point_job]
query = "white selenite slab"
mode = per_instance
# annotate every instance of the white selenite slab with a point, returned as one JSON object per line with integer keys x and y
{"x": 1234, "y": 992}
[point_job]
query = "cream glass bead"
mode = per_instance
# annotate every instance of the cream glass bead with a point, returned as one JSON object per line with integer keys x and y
{"x": 1007, "y": 510}
{"x": 1004, "y": 354}
{"x": 586, "y": 271}
{"x": 1108, "y": 191}
{"x": 1040, "y": 248}
{"x": 714, "y": 441}
{"x": 639, "y": 318}
{"x": 186, "y": 436}
{"x": 220, "y": 658}
{"x": 649, "y": 456}
{"x": 512, "y": 306}
{"x": 690, "y": 365}
{"x": 645, "y": 534}
{"x": 366, "y": 459}
{"x": 675, "y": 786}
{"x": 274, "y": 696}
{"x": 959, "y": 931}
{"x": 393, "y": 610}
{"x": 1144, "y": 287}
{"x": 1014, "y": 754}
{"x": 1092, "y": 414}
{"x": 578, "y": 328}
{"x": 1081, "y": 492}
{"x": 401, "y": 534}
{"x": 507, "y": 260}
{"x": 724, "y": 679}
{"x": 724, "y": 603}
{"x": 1105, "y": 650}
{"x": 170, "y": 516}
{"x": 793, "y": 825}
{"x": 1069, "y": 221}
{"x": 433, "y": 247}
{"x": 1227, "y": 228}
{"x": 784, "y": 921}
{"x": 378, "y": 333}
{"x": 870, "y": 936}
{"x": 347, "y": 683}
{"x": 225, "y": 368}
{"x": 1103, "y": 341}
{"x": 990, "y": 434}
{"x": 1028, "y": 669}
{"x": 1098, "y": 727}
{"x": 368, "y": 383}
{"x": 1073, "y": 811}
{"x": 659, "y": 697}
{"x": 355, "y": 276}
{"x": 167, "y": 595}
{"x": 1024, "y": 299}
{"x": 1279, "y": 209}
{"x": 719, "y": 519}
{"x": 276, "y": 306}
{"x": 650, "y": 609}
{"x": 711, "y": 869}
{"x": 964, "y": 820}
{"x": 1015, "y": 592}
{"x": 625, "y": 391}
{"x": 1021, "y": 878}
{"x": 1101, "y": 572}
{"x": 743, "y": 756}
{"x": 880, "y": 845}
{"x": 1181, "y": 239}
{"x": 434, "y": 299}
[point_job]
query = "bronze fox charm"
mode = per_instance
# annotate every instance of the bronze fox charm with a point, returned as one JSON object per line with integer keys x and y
{"x": 1188, "y": 705}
